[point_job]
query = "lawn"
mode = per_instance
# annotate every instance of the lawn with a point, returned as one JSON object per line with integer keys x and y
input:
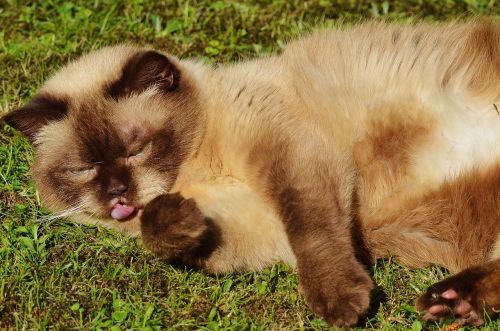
{"x": 58, "y": 275}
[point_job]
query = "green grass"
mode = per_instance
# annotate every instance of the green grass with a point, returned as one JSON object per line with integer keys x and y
{"x": 64, "y": 276}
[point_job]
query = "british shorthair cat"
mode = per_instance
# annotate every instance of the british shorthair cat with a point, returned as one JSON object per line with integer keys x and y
{"x": 350, "y": 145}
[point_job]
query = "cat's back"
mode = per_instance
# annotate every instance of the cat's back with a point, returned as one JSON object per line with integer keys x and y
{"x": 376, "y": 56}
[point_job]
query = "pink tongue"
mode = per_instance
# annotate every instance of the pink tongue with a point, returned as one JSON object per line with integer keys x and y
{"x": 120, "y": 211}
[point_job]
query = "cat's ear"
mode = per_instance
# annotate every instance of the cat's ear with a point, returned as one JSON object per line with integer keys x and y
{"x": 30, "y": 118}
{"x": 144, "y": 70}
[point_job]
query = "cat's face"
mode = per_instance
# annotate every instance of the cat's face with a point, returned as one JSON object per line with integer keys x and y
{"x": 110, "y": 132}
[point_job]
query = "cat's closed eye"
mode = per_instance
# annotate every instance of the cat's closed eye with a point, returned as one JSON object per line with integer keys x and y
{"x": 83, "y": 171}
{"x": 138, "y": 154}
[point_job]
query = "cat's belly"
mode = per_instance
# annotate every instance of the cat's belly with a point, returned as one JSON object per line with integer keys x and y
{"x": 404, "y": 155}
{"x": 463, "y": 140}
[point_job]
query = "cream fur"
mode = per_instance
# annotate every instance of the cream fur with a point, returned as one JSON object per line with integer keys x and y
{"x": 340, "y": 90}
{"x": 324, "y": 92}
{"x": 495, "y": 254}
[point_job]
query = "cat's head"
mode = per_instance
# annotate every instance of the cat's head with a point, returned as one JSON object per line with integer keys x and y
{"x": 110, "y": 132}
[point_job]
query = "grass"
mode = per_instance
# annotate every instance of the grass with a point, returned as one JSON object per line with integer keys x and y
{"x": 57, "y": 275}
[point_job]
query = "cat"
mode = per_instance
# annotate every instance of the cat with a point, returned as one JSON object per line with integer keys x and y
{"x": 351, "y": 145}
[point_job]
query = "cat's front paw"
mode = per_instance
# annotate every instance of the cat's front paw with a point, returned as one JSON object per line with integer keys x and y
{"x": 338, "y": 298}
{"x": 465, "y": 296}
{"x": 175, "y": 229}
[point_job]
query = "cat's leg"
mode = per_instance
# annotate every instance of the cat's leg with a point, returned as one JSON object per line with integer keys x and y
{"x": 456, "y": 226}
{"x": 312, "y": 192}
{"x": 466, "y": 295}
{"x": 334, "y": 282}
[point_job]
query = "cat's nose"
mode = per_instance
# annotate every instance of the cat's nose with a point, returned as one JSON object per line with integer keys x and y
{"x": 117, "y": 189}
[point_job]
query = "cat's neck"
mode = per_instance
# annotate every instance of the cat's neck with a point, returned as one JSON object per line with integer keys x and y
{"x": 238, "y": 102}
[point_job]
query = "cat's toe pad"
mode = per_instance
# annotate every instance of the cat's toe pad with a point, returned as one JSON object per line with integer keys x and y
{"x": 438, "y": 305}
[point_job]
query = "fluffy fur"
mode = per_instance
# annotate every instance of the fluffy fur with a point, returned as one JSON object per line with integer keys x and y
{"x": 350, "y": 145}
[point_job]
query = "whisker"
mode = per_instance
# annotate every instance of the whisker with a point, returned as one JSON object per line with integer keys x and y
{"x": 72, "y": 210}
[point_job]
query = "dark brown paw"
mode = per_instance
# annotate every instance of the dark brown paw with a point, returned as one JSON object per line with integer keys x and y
{"x": 339, "y": 299}
{"x": 175, "y": 229}
{"x": 458, "y": 296}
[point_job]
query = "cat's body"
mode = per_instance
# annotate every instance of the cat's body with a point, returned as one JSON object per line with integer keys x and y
{"x": 380, "y": 140}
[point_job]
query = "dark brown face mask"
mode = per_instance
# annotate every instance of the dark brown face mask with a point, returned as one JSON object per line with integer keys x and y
{"x": 108, "y": 152}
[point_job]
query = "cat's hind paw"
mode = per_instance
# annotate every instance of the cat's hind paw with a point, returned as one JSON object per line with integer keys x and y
{"x": 437, "y": 306}
{"x": 461, "y": 296}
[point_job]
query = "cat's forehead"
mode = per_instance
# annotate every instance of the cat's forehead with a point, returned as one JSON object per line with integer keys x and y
{"x": 91, "y": 73}
{"x": 83, "y": 88}
{"x": 107, "y": 101}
